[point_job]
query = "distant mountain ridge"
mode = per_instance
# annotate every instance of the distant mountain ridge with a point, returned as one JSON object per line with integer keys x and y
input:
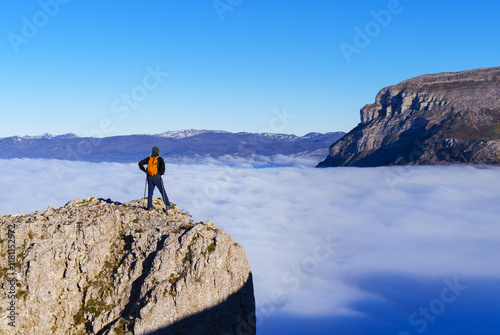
{"x": 174, "y": 145}
{"x": 45, "y": 136}
{"x": 189, "y": 133}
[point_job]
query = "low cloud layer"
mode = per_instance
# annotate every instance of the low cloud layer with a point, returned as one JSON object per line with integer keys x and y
{"x": 360, "y": 251}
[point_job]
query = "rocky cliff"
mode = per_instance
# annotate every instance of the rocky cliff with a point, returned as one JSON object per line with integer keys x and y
{"x": 96, "y": 266}
{"x": 432, "y": 119}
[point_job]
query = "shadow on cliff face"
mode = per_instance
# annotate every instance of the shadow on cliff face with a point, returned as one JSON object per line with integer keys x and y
{"x": 212, "y": 321}
{"x": 407, "y": 149}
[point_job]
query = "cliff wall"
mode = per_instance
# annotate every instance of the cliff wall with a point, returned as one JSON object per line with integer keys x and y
{"x": 432, "y": 119}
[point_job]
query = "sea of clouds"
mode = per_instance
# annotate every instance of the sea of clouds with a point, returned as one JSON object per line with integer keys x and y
{"x": 389, "y": 250}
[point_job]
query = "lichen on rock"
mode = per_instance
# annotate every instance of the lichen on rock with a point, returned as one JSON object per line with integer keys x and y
{"x": 95, "y": 266}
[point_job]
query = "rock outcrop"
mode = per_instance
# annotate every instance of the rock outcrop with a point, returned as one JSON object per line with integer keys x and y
{"x": 96, "y": 266}
{"x": 432, "y": 119}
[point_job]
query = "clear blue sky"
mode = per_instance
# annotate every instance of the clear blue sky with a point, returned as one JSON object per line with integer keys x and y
{"x": 84, "y": 66}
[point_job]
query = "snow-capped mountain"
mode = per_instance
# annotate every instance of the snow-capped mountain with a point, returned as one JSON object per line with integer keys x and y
{"x": 188, "y": 133}
{"x": 47, "y": 136}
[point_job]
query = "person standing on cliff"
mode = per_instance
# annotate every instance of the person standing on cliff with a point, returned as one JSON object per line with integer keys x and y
{"x": 155, "y": 169}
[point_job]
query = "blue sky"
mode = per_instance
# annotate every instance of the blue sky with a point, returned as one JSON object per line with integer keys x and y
{"x": 111, "y": 68}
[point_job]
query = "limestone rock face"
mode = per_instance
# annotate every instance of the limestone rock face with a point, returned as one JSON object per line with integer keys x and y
{"x": 431, "y": 119}
{"x": 96, "y": 266}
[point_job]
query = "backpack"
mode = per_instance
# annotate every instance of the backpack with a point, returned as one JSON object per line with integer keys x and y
{"x": 152, "y": 166}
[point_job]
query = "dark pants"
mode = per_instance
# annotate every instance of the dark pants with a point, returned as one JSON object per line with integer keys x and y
{"x": 151, "y": 187}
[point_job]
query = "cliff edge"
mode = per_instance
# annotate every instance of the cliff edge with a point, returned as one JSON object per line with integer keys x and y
{"x": 431, "y": 119}
{"x": 96, "y": 266}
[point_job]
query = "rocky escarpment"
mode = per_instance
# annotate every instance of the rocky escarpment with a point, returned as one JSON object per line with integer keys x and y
{"x": 96, "y": 266}
{"x": 432, "y": 119}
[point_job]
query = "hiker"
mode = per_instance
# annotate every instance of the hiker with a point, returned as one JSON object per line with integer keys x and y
{"x": 155, "y": 169}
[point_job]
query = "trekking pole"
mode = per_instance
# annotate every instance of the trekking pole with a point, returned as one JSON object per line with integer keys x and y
{"x": 145, "y": 183}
